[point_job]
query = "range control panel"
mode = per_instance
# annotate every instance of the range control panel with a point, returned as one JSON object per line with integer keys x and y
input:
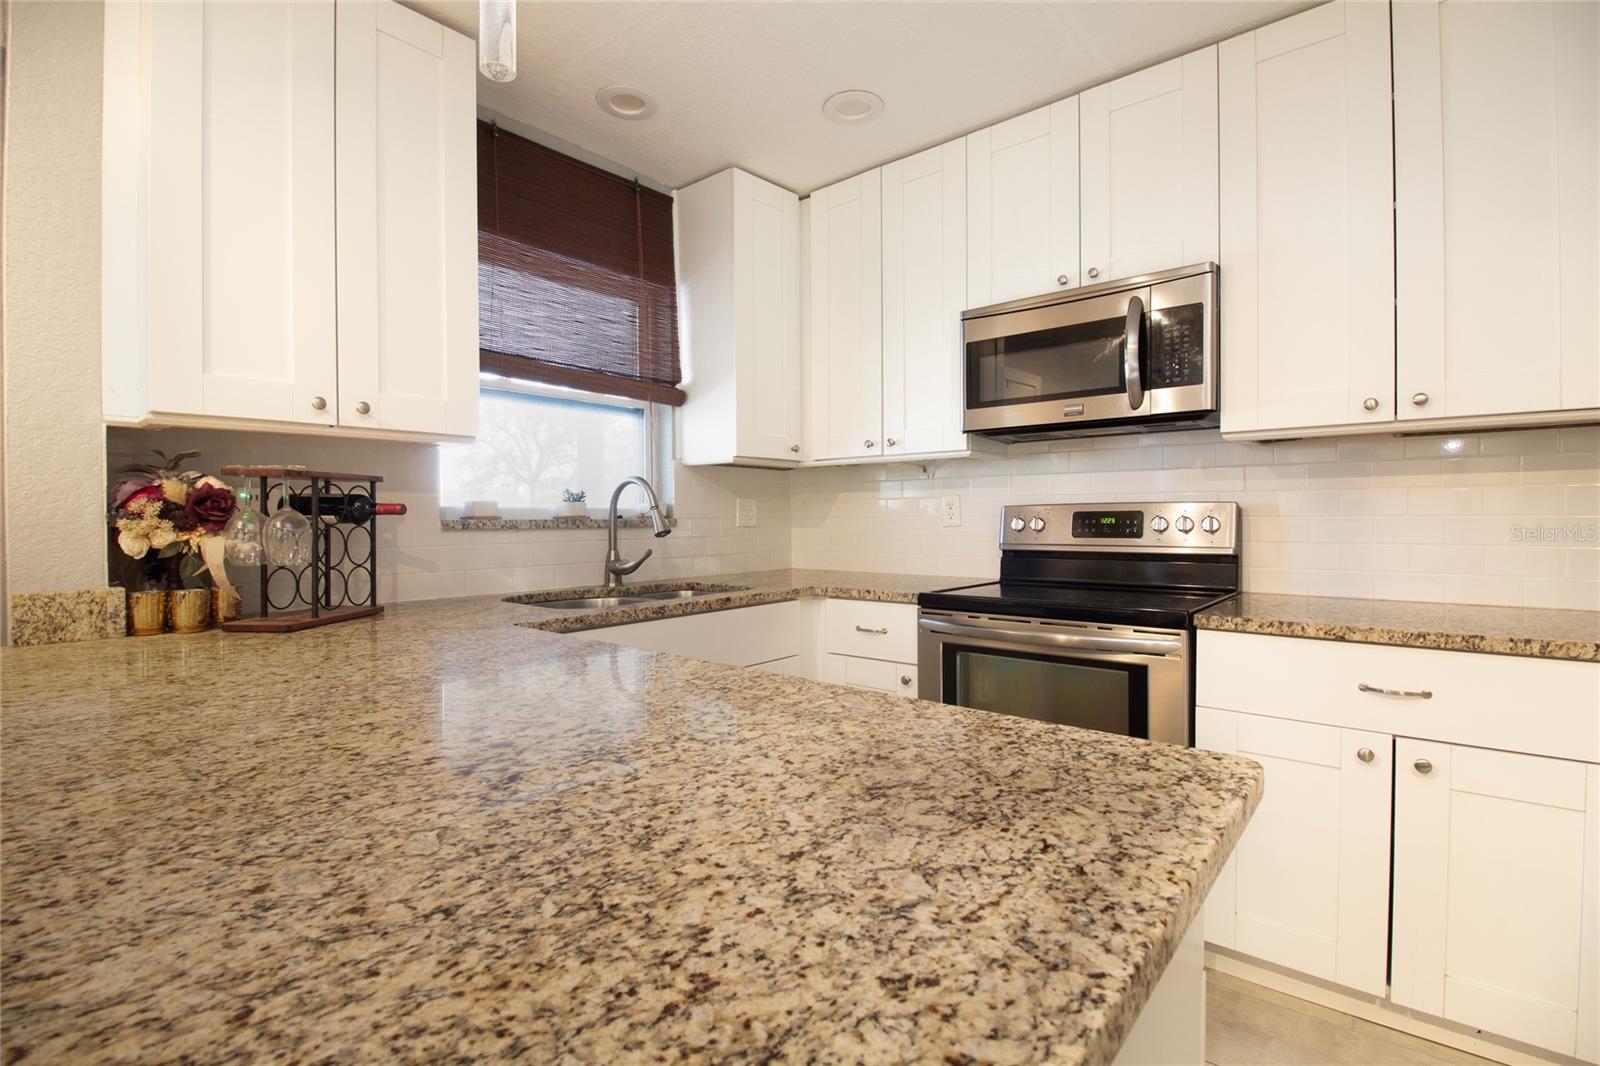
{"x": 1177, "y": 527}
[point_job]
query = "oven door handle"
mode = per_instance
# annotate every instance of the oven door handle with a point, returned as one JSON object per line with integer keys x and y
{"x": 1132, "y": 368}
{"x": 1064, "y": 641}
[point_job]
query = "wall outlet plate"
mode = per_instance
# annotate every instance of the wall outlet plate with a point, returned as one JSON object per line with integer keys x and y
{"x": 950, "y": 510}
{"x": 745, "y": 513}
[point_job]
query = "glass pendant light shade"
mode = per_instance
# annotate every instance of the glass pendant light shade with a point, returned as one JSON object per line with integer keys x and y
{"x": 497, "y": 39}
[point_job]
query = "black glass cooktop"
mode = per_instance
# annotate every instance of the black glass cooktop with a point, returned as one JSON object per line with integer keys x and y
{"x": 1164, "y": 608}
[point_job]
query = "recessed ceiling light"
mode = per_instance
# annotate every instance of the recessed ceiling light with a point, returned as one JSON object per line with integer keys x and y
{"x": 624, "y": 101}
{"x": 853, "y": 106}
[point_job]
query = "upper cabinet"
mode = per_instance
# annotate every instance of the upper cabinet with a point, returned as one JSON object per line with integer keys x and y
{"x": 1497, "y": 169}
{"x": 1148, "y": 146}
{"x": 845, "y": 380}
{"x": 407, "y": 211}
{"x": 1022, "y": 205}
{"x": 738, "y": 247}
{"x": 924, "y": 293}
{"x": 1307, "y": 239}
{"x": 290, "y": 224}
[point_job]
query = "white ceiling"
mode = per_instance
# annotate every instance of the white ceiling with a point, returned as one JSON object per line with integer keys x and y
{"x": 743, "y": 83}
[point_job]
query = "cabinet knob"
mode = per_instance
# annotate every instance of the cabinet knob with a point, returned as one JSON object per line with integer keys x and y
{"x": 1370, "y": 403}
{"x": 363, "y": 408}
{"x": 1423, "y": 766}
{"x": 318, "y": 403}
{"x": 871, "y": 443}
{"x": 794, "y": 447}
{"x": 1365, "y": 755}
{"x": 891, "y": 442}
{"x": 905, "y": 679}
{"x": 1419, "y": 398}
{"x": 1094, "y": 272}
{"x": 1062, "y": 279}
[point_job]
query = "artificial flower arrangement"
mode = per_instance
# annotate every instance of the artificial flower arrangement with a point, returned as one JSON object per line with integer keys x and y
{"x": 172, "y": 520}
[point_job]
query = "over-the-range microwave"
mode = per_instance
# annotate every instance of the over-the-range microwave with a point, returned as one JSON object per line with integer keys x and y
{"x": 1119, "y": 357}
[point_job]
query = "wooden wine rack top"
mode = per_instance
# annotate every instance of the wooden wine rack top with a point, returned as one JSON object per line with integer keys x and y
{"x": 295, "y": 472}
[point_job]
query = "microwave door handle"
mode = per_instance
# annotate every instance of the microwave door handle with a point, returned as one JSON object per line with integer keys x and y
{"x": 1131, "y": 355}
{"x": 1066, "y": 641}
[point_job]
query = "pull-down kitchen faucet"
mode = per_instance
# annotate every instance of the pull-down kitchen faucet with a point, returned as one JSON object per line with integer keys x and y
{"x": 616, "y": 565}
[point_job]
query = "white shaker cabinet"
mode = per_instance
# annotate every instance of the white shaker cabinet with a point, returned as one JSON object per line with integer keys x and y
{"x": 407, "y": 222}
{"x": 1308, "y": 885}
{"x": 738, "y": 248}
{"x": 845, "y": 357}
{"x": 218, "y": 255}
{"x": 1497, "y": 166}
{"x": 1148, "y": 146}
{"x": 924, "y": 289}
{"x": 1496, "y": 901}
{"x": 290, "y": 235}
{"x": 1306, "y": 235}
{"x": 1022, "y": 205}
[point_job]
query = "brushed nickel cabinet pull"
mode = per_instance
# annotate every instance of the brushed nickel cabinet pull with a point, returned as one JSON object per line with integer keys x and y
{"x": 1408, "y": 694}
{"x": 878, "y": 632}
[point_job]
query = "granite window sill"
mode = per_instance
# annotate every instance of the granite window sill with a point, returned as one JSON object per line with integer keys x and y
{"x": 633, "y": 521}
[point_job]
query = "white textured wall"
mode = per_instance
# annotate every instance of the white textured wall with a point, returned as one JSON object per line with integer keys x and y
{"x": 1418, "y": 518}
{"x": 418, "y": 560}
{"x": 54, "y": 444}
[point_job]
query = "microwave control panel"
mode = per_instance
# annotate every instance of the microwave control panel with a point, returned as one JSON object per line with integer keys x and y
{"x": 1176, "y": 337}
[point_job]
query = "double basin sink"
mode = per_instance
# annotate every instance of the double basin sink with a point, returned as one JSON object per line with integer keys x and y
{"x": 624, "y": 598}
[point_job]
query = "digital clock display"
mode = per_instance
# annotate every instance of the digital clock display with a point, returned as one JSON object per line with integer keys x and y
{"x": 1117, "y": 524}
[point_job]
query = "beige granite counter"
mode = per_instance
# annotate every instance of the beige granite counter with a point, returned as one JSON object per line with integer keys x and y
{"x": 1543, "y": 634}
{"x": 437, "y": 836}
{"x": 733, "y": 590}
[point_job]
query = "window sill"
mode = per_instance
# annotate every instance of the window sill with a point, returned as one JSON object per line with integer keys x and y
{"x": 632, "y": 521}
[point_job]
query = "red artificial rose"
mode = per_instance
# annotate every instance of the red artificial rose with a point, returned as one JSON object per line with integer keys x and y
{"x": 148, "y": 492}
{"x": 209, "y": 507}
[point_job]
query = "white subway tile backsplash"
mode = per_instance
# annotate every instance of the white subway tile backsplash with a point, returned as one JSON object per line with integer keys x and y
{"x": 1441, "y": 517}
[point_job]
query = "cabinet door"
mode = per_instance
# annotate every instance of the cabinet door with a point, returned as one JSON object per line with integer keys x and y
{"x": 1307, "y": 236}
{"x": 766, "y": 234}
{"x": 1497, "y": 167}
{"x": 1022, "y": 205}
{"x": 1310, "y": 877}
{"x": 846, "y": 357}
{"x": 1149, "y": 145}
{"x": 407, "y": 222}
{"x": 241, "y": 210}
{"x": 1496, "y": 858}
{"x": 924, "y": 289}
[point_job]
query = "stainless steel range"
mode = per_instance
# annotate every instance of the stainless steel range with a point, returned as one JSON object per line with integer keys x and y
{"x": 1092, "y": 621}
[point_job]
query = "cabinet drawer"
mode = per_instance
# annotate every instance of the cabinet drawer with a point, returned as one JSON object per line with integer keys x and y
{"x": 877, "y": 674}
{"x": 1536, "y": 706}
{"x": 870, "y": 630}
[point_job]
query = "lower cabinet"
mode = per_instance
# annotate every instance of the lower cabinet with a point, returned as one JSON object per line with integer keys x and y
{"x": 1496, "y": 900}
{"x": 1308, "y": 885}
{"x": 1457, "y": 879}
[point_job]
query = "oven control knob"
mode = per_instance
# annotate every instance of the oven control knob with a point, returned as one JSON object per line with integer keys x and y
{"x": 1158, "y": 524}
{"x": 1210, "y": 523}
{"x": 1036, "y": 524}
{"x": 1185, "y": 524}
{"x": 1018, "y": 525}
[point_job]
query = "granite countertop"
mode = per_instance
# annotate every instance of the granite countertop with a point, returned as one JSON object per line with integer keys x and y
{"x": 734, "y": 590}
{"x": 1528, "y": 631}
{"x": 437, "y": 835}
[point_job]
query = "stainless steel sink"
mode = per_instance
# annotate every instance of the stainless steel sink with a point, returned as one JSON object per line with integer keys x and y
{"x": 586, "y": 603}
{"x": 626, "y": 598}
{"x": 678, "y": 594}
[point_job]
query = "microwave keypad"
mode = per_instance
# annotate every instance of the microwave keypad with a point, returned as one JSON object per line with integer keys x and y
{"x": 1176, "y": 336}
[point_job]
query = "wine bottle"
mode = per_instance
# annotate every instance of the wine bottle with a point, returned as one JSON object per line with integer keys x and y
{"x": 355, "y": 510}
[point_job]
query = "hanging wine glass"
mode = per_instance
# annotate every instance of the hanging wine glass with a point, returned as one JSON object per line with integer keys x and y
{"x": 287, "y": 535}
{"x": 242, "y": 535}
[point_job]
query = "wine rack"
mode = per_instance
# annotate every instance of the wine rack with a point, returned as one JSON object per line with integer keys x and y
{"x": 341, "y": 581}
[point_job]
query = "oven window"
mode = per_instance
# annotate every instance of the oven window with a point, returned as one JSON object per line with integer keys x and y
{"x": 1084, "y": 359}
{"x": 1111, "y": 697}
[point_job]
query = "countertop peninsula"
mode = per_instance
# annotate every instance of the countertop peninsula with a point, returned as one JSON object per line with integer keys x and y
{"x": 441, "y": 835}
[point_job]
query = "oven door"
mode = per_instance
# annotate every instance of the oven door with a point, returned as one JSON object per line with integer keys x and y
{"x": 1118, "y": 679}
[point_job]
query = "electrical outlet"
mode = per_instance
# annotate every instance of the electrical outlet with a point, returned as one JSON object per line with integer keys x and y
{"x": 746, "y": 513}
{"x": 950, "y": 510}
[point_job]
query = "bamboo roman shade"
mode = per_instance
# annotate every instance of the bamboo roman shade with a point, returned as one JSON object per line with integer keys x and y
{"x": 575, "y": 275}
